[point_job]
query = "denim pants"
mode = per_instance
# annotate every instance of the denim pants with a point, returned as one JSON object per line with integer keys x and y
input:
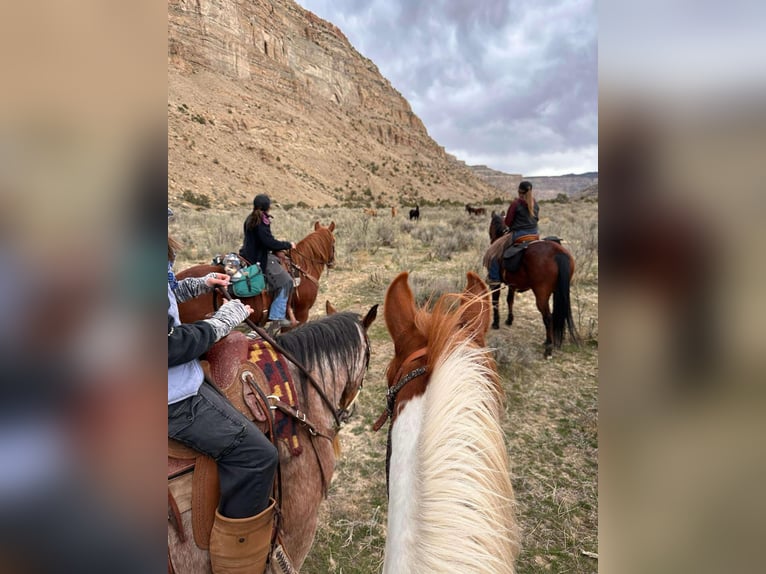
{"x": 494, "y": 272}
{"x": 278, "y": 309}
{"x": 246, "y": 459}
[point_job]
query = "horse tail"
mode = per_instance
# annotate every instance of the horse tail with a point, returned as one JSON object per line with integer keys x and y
{"x": 562, "y": 308}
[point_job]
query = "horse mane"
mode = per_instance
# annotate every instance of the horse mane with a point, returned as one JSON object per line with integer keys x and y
{"x": 464, "y": 466}
{"x": 316, "y": 243}
{"x": 328, "y": 344}
{"x": 495, "y": 250}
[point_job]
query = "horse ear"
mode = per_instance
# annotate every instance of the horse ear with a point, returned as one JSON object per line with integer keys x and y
{"x": 399, "y": 308}
{"x": 370, "y": 317}
{"x": 476, "y": 313}
{"x": 329, "y": 308}
{"x": 316, "y": 226}
{"x": 332, "y": 226}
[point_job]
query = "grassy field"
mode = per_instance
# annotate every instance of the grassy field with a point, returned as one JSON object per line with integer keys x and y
{"x": 552, "y": 405}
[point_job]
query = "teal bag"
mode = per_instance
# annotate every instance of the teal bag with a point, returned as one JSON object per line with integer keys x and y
{"x": 251, "y": 282}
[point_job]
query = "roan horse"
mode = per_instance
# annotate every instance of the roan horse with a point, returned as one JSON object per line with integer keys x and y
{"x": 336, "y": 351}
{"x": 451, "y": 503}
{"x": 308, "y": 260}
{"x": 546, "y": 268}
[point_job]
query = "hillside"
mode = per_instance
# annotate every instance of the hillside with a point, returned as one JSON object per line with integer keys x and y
{"x": 267, "y": 97}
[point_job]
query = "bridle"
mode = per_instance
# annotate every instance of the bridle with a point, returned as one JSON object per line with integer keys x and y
{"x": 391, "y": 395}
{"x": 330, "y": 262}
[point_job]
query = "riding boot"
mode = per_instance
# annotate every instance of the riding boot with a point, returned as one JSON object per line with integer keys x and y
{"x": 241, "y": 545}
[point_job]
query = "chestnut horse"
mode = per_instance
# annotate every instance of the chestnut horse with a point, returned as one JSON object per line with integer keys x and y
{"x": 336, "y": 351}
{"x": 308, "y": 259}
{"x": 546, "y": 268}
{"x": 451, "y": 503}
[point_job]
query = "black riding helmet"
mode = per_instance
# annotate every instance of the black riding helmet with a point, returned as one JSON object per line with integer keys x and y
{"x": 262, "y": 202}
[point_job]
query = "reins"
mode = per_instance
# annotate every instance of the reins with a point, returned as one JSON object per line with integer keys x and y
{"x": 277, "y": 347}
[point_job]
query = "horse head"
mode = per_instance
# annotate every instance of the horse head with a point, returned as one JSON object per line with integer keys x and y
{"x": 444, "y": 389}
{"x": 496, "y": 226}
{"x": 421, "y": 336}
{"x": 322, "y": 244}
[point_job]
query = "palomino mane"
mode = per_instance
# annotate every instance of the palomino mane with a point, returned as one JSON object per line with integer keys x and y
{"x": 466, "y": 497}
{"x": 330, "y": 346}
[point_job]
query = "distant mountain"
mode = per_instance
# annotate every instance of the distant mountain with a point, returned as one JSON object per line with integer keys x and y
{"x": 545, "y": 187}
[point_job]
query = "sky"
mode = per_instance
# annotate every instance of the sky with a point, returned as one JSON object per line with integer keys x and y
{"x": 511, "y": 84}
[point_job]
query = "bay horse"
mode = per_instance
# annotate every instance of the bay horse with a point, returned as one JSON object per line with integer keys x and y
{"x": 475, "y": 210}
{"x": 308, "y": 259}
{"x": 336, "y": 351}
{"x": 451, "y": 502}
{"x": 546, "y": 268}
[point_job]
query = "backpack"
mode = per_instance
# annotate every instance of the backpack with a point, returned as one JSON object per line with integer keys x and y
{"x": 249, "y": 283}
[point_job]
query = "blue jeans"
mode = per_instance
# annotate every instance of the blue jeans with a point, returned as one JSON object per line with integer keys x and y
{"x": 278, "y": 308}
{"x": 522, "y": 232}
{"x": 246, "y": 459}
{"x": 494, "y": 271}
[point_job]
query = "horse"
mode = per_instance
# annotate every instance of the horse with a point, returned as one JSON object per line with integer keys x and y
{"x": 371, "y": 212}
{"x": 336, "y": 351}
{"x": 308, "y": 259}
{"x": 451, "y": 502}
{"x": 546, "y": 268}
{"x": 415, "y": 213}
{"x": 474, "y": 210}
{"x": 393, "y": 211}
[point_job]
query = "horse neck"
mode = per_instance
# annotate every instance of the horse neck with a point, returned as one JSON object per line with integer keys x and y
{"x": 449, "y": 441}
{"x": 308, "y": 257}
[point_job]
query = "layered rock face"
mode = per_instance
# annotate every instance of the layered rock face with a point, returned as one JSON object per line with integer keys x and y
{"x": 264, "y": 96}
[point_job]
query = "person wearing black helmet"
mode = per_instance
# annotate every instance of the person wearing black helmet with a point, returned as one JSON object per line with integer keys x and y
{"x": 523, "y": 214}
{"x": 259, "y": 247}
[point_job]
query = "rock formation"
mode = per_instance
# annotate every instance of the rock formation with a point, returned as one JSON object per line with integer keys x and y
{"x": 264, "y": 96}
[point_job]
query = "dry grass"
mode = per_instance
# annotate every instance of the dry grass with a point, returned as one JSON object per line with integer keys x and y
{"x": 552, "y": 415}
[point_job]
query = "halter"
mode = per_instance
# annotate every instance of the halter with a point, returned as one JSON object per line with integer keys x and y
{"x": 391, "y": 395}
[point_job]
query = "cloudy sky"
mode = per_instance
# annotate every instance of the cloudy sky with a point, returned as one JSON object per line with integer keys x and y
{"x": 511, "y": 84}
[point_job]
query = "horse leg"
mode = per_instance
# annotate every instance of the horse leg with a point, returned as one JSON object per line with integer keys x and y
{"x": 509, "y": 299}
{"x": 545, "y": 311}
{"x": 495, "y": 287}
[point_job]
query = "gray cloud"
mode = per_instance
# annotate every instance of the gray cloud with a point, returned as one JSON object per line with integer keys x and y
{"x": 508, "y": 83}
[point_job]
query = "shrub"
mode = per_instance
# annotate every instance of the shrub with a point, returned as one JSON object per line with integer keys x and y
{"x": 196, "y": 198}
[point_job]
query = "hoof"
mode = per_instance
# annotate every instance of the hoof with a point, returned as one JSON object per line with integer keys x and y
{"x": 509, "y": 322}
{"x": 495, "y": 325}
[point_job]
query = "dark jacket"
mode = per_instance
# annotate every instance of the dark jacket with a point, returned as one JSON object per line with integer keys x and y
{"x": 259, "y": 242}
{"x": 518, "y": 217}
{"x": 188, "y": 341}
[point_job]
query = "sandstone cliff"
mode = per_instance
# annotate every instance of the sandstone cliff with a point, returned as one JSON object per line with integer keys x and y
{"x": 264, "y": 96}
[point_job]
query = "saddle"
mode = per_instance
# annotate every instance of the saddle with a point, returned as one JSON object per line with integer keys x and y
{"x": 514, "y": 253}
{"x": 199, "y": 490}
{"x": 245, "y": 371}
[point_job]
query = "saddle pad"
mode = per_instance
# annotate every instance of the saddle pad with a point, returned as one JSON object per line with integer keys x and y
{"x": 280, "y": 383}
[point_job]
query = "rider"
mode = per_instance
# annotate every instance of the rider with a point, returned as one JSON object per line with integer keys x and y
{"x": 523, "y": 214}
{"x": 258, "y": 247}
{"x": 202, "y": 418}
